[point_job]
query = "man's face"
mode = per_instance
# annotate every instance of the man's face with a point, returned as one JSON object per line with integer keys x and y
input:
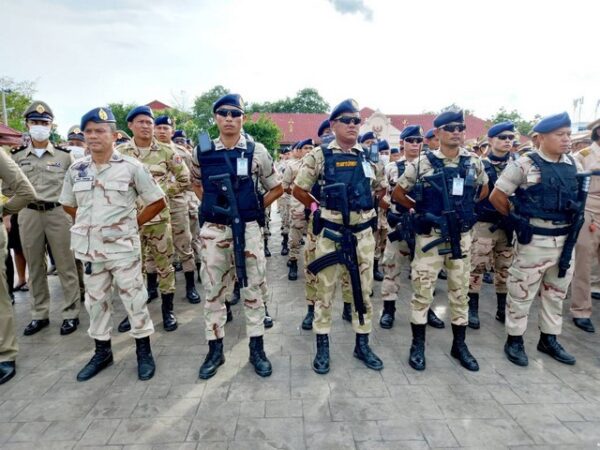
{"x": 368, "y": 143}
{"x": 434, "y": 143}
{"x": 98, "y": 137}
{"x": 503, "y": 142}
{"x": 229, "y": 120}
{"x": 395, "y": 156}
{"x": 305, "y": 149}
{"x": 75, "y": 143}
{"x": 557, "y": 142}
{"x": 180, "y": 141}
{"x": 142, "y": 126}
{"x": 163, "y": 133}
{"x": 345, "y": 127}
{"x": 412, "y": 147}
{"x": 451, "y": 135}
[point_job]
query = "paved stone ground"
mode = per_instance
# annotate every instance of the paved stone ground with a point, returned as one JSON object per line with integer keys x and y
{"x": 546, "y": 405}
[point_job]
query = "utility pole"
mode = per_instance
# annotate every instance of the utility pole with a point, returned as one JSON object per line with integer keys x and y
{"x": 4, "y": 112}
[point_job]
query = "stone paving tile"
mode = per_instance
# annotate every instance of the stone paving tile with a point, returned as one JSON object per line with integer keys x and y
{"x": 99, "y": 432}
{"x": 151, "y": 431}
{"x": 481, "y": 432}
{"x": 277, "y": 431}
{"x": 29, "y": 432}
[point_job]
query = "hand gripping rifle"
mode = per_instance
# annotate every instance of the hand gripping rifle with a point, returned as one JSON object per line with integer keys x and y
{"x": 404, "y": 230}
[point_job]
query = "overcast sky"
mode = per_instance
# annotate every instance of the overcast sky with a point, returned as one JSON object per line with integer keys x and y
{"x": 399, "y": 57}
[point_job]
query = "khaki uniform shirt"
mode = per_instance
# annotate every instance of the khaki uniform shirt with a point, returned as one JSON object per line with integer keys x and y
{"x": 290, "y": 173}
{"x": 105, "y": 197}
{"x": 589, "y": 158}
{"x": 14, "y": 182}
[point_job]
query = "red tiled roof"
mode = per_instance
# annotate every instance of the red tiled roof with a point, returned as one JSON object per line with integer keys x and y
{"x": 476, "y": 127}
{"x": 9, "y": 136}
{"x": 158, "y": 105}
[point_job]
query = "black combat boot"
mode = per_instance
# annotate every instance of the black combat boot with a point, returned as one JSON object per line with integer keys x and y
{"x": 550, "y": 346}
{"x": 363, "y": 352}
{"x": 145, "y": 360}
{"x": 229, "y": 313}
{"x": 124, "y": 326}
{"x": 308, "y": 319}
{"x": 293, "y": 272}
{"x": 190, "y": 288}
{"x": 8, "y": 370}
{"x": 515, "y": 350}
{"x": 267, "y": 251}
{"x": 262, "y": 365}
{"x": 460, "y": 350}
{"x": 347, "y": 312}
{"x": 268, "y": 320}
{"x": 321, "y": 361}
{"x": 169, "y": 319}
{"x": 152, "y": 286}
{"x": 387, "y": 316}
{"x": 416, "y": 359}
{"x": 501, "y": 308}
{"x": 474, "y": 310}
{"x": 177, "y": 266}
{"x": 213, "y": 360}
{"x": 235, "y": 296}
{"x": 433, "y": 320}
{"x": 377, "y": 274}
{"x": 102, "y": 358}
{"x": 284, "y": 245}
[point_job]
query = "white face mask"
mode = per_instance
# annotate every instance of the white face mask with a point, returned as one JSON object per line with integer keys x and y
{"x": 39, "y": 133}
{"x": 384, "y": 159}
{"x": 76, "y": 152}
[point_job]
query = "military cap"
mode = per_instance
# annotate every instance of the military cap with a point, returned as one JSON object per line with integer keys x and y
{"x": 347, "y": 106}
{"x": 498, "y": 128}
{"x": 179, "y": 134}
{"x": 525, "y": 147}
{"x": 324, "y": 125}
{"x": 234, "y": 100}
{"x": 139, "y": 110}
{"x": 305, "y": 142}
{"x": 383, "y": 145}
{"x": 482, "y": 141}
{"x": 412, "y": 131}
{"x": 449, "y": 117}
{"x": 122, "y": 136}
{"x": 365, "y": 137}
{"x": 75, "y": 134}
{"x": 551, "y": 123}
{"x": 394, "y": 150}
{"x": 430, "y": 133}
{"x": 595, "y": 128}
{"x": 39, "y": 110}
{"x": 163, "y": 120}
{"x": 98, "y": 115}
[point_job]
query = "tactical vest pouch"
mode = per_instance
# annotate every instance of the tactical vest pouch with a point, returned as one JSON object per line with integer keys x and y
{"x": 317, "y": 222}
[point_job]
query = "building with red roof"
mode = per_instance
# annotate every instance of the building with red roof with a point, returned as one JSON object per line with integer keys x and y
{"x": 157, "y": 105}
{"x": 9, "y": 136}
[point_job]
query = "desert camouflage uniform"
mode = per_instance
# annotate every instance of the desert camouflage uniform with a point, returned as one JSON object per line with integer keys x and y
{"x": 297, "y": 219}
{"x": 380, "y": 234}
{"x": 283, "y": 203}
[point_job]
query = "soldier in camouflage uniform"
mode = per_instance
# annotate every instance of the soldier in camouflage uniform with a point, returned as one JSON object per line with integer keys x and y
{"x": 172, "y": 176}
{"x": 342, "y": 161}
{"x": 492, "y": 244}
{"x": 382, "y": 225}
{"x": 545, "y": 186}
{"x": 248, "y": 164}
{"x": 461, "y": 173}
{"x": 178, "y": 206}
{"x": 100, "y": 192}
{"x": 283, "y": 204}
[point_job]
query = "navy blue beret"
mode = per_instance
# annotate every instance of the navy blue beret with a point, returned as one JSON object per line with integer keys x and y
{"x": 234, "y": 100}
{"x": 430, "y": 133}
{"x": 324, "y": 125}
{"x": 448, "y": 117}
{"x": 145, "y": 110}
{"x": 98, "y": 115}
{"x": 305, "y": 142}
{"x": 549, "y": 124}
{"x": 179, "y": 134}
{"x": 412, "y": 130}
{"x": 347, "y": 106}
{"x": 394, "y": 150}
{"x": 498, "y": 128}
{"x": 163, "y": 120}
{"x": 383, "y": 145}
{"x": 365, "y": 137}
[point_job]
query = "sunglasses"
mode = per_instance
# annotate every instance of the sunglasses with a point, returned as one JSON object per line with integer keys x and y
{"x": 347, "y": 120}
{"x": 453, "y": 128}
{"x": 413, "y": 140}
{"x": 226, "y": 112}
{"x": 504, "y": 137}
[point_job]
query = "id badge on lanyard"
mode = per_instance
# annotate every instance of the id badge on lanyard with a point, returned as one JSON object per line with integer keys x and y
{"x": 458, "y": 186}
{"x": 242, "y": 166}
{"x": 368, "y": 169}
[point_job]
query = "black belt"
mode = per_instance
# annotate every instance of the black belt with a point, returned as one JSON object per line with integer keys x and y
{"x": 43, "y": 206}
{"x": 550, "y": 231}
{"x": 354, "y": 228}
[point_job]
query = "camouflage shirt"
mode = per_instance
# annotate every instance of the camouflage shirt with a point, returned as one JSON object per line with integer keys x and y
{"x": 180, "y": 202}
{"x": 589, "y": 158}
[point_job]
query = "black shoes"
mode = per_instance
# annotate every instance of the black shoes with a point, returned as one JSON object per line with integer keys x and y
{"x": 35, "y": 326}
{"x": 152, "y": 286}
{"x": 501, "y": 308}
{"x": 69, "y": 326}
{"x": 213, "y": 360}
{"x": 515, "y": 351}
{"x": 169, "y": 319}
{"x": 308, "y": 319}
{"x": 268, "y": 320}
{"x": 146, "y": 366}
{"x": 190, "y": 288}
{"x": 488, "y": 278}
{"x": 433, "y": 320}
{"x": 377, "y": 274}
{"x": 595, "y": 295}
{"x": 442, "y": 275}
{"x": 387, "y": 317}
{"x": 177, "y": 266}
{"x": 347, "y": 312}
{"x": 7, "y": 371}
{"x": 235, "y": 296}
{"x": 267, "y": 251}
{"x": 416, "y": 359}
{"x": 363, "y": 352}
{"x": 124, "y": 326}
{"x": 550, "y": 346}
{"x": 284, "y": 245}
{"x": 102, "y": 358}
{"x": 229, "y": 313}
{"x": 474, "y": 311}
{"x": 585, "y": 325}
{"x": 321, "y": 361}
{"x": 293, "y": 272}
{"x": 460, "y": 350}
{"x": 262, "y": 365}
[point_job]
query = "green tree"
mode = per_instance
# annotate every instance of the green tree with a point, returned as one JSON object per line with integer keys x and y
{"x": 120, "y": 111}
{"x": 18, "y": 97}
{"x": 307, "y": 100}
{"x": 523, "y": 126}
{"x": 202, "y": 110}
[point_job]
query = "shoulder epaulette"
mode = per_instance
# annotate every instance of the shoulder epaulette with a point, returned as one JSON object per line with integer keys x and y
{"x": 62, "y": 149}
{"x": 585, "y": 151}
{"x": 17, "y": 150}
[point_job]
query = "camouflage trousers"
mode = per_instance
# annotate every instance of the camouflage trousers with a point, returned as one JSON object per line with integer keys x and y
{"x": 8, "y": 338}
{"x": 157, "y": 250}
{"x": 381, "y": 233}
{"x": 218, "y": 277}
{"x": 327, "y": 281}
{"x": 310, "y": 286}
{"x": 395, "y": 257}
{"x": 182, "y": 239}
{"x": 489, "y": 249}
{"x": 424, "y": 272}
{"x": 267, "y": 228}
{"x": 126, "y": 276}
{"x": 535, "y": 270}
{"x": 298, "y": 226}
{"x": 284, "y": 211}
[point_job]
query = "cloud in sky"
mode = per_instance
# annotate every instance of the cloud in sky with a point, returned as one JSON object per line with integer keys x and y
{"x": 409, "y": 58}
{"x": 352, "y": 7}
